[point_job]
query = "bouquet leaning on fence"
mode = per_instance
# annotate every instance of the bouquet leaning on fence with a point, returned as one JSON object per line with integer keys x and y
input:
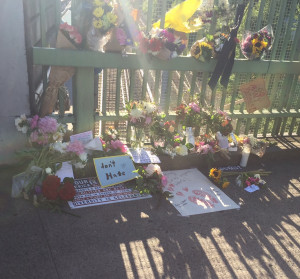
{"x": 69, "y": 38}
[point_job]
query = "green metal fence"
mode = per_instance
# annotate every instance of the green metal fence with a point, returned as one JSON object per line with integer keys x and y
{"x": 169, "y": 82}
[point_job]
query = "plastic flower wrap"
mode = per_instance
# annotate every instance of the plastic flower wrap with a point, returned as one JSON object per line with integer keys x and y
{"x": 255, "y": 45}
{"x": 103, "y": 19}
{"x": 202, "y": 50}
{"x": 163, "y": 43}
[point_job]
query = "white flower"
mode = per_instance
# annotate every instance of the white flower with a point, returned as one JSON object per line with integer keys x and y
{"x": 79, "y": 165}
{"x": 83, "y": 156}
{"x": 19, "y": 121}
{"x": 24, "y": 129}
{"x": 181, "y": 150}
{"x": 261, "y": 181}
{"x": 136, "y": 113}
{"x": 149, "y": 107}
{"x": 48, "y": 170}
{"x": 152, "y": 168}
{"x": 60, "y": 146}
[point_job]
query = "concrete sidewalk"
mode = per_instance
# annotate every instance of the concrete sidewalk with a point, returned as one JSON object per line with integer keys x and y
{"x": 147, "y": 239}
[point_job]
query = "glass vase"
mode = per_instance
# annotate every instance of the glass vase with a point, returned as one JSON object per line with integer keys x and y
{"x": 189, "y": 133}
{"x": 137, "y": 139}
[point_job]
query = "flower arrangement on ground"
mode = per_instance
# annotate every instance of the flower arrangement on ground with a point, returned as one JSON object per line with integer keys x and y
{"x": 255, "y": 45}
{"x": 258, "y": 146}
{"x": 246, "y": 179}
{"x": 163, "y": 43}
{"x": 46, "y": 151}
{"x": 140, "y": 116}
{"x": 202, "y": 50}
{"x": 150, "y": 180}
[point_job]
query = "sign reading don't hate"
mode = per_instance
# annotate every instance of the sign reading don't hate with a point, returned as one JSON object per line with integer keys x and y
{"x": 114, "y": 170}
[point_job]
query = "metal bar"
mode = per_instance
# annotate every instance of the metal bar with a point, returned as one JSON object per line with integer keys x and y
{"x": 260, "y": 14}
{"x": 104, "y": 92}
{"x": 249, "y": 14}
{"x": 163, "y": 13}
{"x": 234, "y": 91}
{"x": 292, "y": 126}
{"x": 257, "y": 125}
{"x": 213, "y": 97}
{"x": 118, "y": 90}
{"x": 193, "y": 84}
{"x": 298, "y": 130}
{"x": 84, "y": 100}
{"x": 247, "y": 128}
{"x": 149, "y": 15}
{"x": 156, "y": 87}
{"x": 180, "y": 88}
{"x": 292, "y": 93}
{"x": 288, "y": 30}
{"x": 132, "y": 84}
{"x": 274, "y": 90}
{"x": 75, "y": 58}
{"x": 203, "y": 89}
{"x": 296, "y": 39}
{"x": 283, "y": 126}
{"x": 278, "y": 29}
{"x": 272, "y": 11}
{"x": 57, "y": 13}
{"x": 145, "y": 82}
{"x": 168, "y": 93}
{"x": 224, "y": 93}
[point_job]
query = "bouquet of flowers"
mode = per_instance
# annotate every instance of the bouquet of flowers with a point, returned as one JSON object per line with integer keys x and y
{"x": 258, "y": 146}
{"x": 255, "y": 45}
{"x": 151, "y": 180}
{"x": 246, "y": 179}
{"x": 46, "y": 153}
{"x": 163, "y": 43}
{"x": 202, "y": 50}
{"x": 189, "y": 115}
{"x": 67, "y": 37}
{"x": 217, "y": 121}
{"x": 103, "y": 20}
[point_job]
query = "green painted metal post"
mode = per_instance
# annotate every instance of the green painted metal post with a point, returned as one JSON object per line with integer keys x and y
{"x": 84, "y": 100}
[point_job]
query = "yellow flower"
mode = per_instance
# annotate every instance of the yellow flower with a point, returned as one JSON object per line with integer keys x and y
{"x": 98, "y": 12}
{"x": 258, "y": 46}
{"x": 97, "y": 23}
{"x": 215, "y": 174}
{"x": 225, "y": 184}
{"x": 98, "y": 3}
{"x": 112, "y": 18}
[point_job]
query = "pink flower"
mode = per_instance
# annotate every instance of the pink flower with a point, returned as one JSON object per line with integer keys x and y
{"x": 34, "y": 136}
{"x": 194, "y": 107}
{"x": 121, "y": 36}
{"x": 169, "y": 36}
{"x": 148, "y": 120}
{"x": 34, "y": 122}
{"x": 117, "y": 144}
{"x": 47, "y": 125}
{"x": 102, "y": 141}
{"x": 76, "y": 147}
{"x": 248, "y": 183}
{"x": 164, "y": 180}
{"x": 205, "y": 149}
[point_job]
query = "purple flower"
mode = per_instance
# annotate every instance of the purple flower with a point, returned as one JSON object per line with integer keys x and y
{"x": 194, "y": 107}
{"x": 76, "y": 147}
{"x": 47, "y": 125}
{"x": 167, "y": 35}
{"x": 164, "y": 180}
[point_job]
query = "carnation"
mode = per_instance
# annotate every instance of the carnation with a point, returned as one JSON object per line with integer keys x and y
{"x": 76, "y": 147}
{"x": 152, "y": 168}
{"x": 194, "y": 107}
{"x": 47, "y": 125}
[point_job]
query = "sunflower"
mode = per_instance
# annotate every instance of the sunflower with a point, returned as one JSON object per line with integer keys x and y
{"x": 215, "y": 174}
{"x": 112, "y": 18}
{"x": 98, "y": 12}
{"x": 258, "y": 46}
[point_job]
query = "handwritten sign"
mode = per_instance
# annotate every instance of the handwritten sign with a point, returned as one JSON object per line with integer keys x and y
{"x": 193, "y": 193}
{"x": 114, "y": 170}
{"x": 255, "y": 95}
{"x": 84, "y": 137}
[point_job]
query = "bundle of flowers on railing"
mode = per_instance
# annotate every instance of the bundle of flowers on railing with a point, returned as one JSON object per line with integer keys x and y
{"x": 150, "y": 180}
{"x": 202, "y": 50}
{"x": 45, "y": 154}
{"x": 163, "y": 43}
{"x": 255, "y": 44}
{"x": 140, "y": 116}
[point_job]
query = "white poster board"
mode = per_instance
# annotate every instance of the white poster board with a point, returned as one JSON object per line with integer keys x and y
{"x": 90, "y": 193}
{"x": 193, "y": 193}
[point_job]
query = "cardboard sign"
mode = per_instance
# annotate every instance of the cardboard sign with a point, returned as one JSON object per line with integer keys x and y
{"x": 90, "y": 193}
{"x": 193, "y": 193}
{"x": 255, "y": 95}
{"x": 114, "y": 170}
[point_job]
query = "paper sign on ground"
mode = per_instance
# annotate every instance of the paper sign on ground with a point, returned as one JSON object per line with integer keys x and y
{"x": 193, "y": 193}
{"x": 84, "y": 137}
{"x": 143, "y": 156}
{"x": 66, "y": 170}
{"x": 90, "y": 193}
{"x": 114, "y": 170}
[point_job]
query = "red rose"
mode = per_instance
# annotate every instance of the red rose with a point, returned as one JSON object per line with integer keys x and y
{"x": 50, "y": 187}
{"x": 67, "y": 192}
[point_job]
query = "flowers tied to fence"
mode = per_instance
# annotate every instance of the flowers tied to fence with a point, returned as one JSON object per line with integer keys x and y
{"x": 189, "y": 115}
{"x": 255, "y": 45}
{"x": 202, "y": 50}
